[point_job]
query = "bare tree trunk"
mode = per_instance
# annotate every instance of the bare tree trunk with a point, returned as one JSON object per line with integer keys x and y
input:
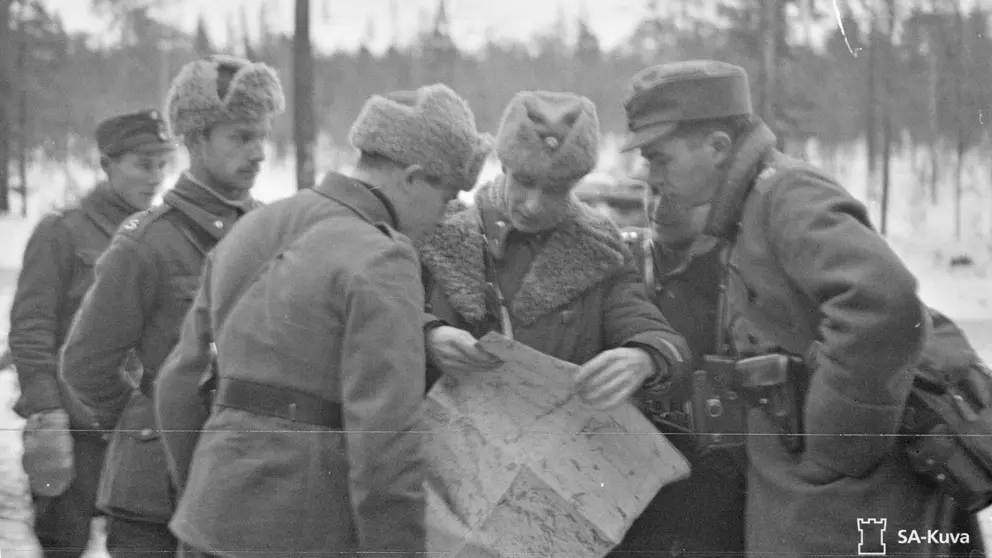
{"x": 870, "y": 109}
{"x": 6, "y": 110}
{"x": 771, "y": 13}
{"x": 932, "y": 46}
{"x": 303, "y": 113}
{"x": 22, "y": 157}
{"x": 959, "y": 97}
{"x": 887, "y": 68}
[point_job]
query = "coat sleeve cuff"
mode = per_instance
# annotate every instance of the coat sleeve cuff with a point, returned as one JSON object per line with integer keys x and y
{"x": 848, "y": 436}
{"x": 669, "y": 363}
{"x": 40, "y": 393}
{"x": 433, "y": 369}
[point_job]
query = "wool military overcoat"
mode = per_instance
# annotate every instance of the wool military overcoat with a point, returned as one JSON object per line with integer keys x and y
{"x": 317, "y": 295}
{"x": 144, "y": 284}
{"x": 809, "y": 276}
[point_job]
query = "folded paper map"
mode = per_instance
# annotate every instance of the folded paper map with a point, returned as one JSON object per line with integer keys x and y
{"x": 518, "y": 465}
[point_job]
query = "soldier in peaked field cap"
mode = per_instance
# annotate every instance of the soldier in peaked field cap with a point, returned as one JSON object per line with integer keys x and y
{"x": 811, "y": 277}
{"x": 222, "y": 108}
{"x": 663, "y": 96}
{"x": 63, "y": 448}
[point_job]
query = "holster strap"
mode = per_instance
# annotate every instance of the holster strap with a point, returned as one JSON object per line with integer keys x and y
{"x": 274, "y": 401}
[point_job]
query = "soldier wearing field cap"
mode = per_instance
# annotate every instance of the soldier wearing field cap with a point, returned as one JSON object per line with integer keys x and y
{"x": 811, "y": 278}
{"x": 532, "y": 262}
{"x": 222, "y": 108}
{"x": 314, "y": 305}
{"x": 64, "y": 466}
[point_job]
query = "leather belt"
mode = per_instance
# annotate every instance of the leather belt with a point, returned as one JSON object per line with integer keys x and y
{"x": 274, "y": 401}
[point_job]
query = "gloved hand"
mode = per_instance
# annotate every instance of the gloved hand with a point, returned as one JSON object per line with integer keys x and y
{"x": 48, "y": 458}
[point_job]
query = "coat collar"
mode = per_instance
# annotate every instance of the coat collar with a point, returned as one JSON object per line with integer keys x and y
{"x": 369, "y": 203}
{"x": 581, "y": 252}
{"x": 747, "y": 161}
{"x": 205, "y": 208}
{"x": 106, "y": 209}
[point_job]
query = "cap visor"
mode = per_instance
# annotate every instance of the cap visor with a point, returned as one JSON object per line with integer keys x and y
{"x": 646, "y": 135}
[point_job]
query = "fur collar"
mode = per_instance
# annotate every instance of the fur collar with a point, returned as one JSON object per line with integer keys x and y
{"x": 580, "y": 253}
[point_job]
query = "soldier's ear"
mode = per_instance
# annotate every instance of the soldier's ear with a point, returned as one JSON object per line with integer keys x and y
{"x": 410, "y": 176}
{"x": 720, "y": 146}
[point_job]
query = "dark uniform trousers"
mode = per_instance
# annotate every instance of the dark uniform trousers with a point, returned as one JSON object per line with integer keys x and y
{"x": 134, "y": 539}
{"x": 62, "y": 524}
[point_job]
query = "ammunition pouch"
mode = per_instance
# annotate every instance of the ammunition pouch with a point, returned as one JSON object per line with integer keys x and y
{"x": 948, "y": 434}
{"x": 725, "y": 388}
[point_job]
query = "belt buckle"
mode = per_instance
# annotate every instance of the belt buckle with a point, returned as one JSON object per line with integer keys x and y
{"x": 292, "y": 412}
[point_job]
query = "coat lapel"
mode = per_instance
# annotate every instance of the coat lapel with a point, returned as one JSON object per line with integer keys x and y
{"x": 583, "y": 251}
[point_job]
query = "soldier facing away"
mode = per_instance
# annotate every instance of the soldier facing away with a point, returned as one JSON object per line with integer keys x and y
{"x": 63, "y": 466}
{"x": 809, "y": 277}
{"x": 145, "y": 282}
{"x": 314, "y": 304}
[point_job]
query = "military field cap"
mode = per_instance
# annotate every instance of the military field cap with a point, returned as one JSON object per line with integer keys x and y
{"x": 143, "y": 131}
{"x": 431, "y": 127}
{"x": 662, "y": 96}
{"x": 220, "y": 87}
{"x": 549, "y": 136}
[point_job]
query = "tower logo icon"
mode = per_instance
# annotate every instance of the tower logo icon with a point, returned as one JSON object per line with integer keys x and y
{"x": 872, "y": 537}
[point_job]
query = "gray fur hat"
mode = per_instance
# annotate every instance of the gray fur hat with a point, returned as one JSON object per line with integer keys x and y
{"x": 432, "y": 127}
{"x": 195, "y": 103}
{"x": 549, "y": 135}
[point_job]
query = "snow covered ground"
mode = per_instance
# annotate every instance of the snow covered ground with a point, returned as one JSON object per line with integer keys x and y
{"x": 923, "y": 235}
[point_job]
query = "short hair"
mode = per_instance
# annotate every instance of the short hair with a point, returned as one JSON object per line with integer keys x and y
{"x": 697, "y": 130}
{"x": 374, "y": 161}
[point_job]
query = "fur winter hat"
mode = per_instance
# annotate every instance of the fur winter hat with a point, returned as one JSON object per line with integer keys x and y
{"x": 549, "y": 136}
{"x": 432, "y": 127}
{"x": 199, "y": 98}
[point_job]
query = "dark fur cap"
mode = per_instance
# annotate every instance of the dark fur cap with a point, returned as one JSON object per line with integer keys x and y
{"x": 549, "y": 136}
{"x": 432, "y": 127}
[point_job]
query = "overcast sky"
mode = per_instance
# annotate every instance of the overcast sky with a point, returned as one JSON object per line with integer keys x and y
{"x": 343, "y": 23}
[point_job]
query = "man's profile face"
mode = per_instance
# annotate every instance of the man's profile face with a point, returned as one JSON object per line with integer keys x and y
{"x": 682, "y": 178}
{"x": 233, "y": 151}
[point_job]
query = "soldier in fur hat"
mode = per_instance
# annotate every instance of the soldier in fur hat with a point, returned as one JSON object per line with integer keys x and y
{"x": 315, "y": 304}
{"x": 531, "y": 261}
{"x": 63, "y": 465}
{"x": 222, "y": 107}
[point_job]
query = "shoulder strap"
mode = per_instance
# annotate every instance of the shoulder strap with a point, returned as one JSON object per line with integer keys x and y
{"x": 765, "y": 175}
{"x": 202, "y": 240}
{"x": 100, "y": 221}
